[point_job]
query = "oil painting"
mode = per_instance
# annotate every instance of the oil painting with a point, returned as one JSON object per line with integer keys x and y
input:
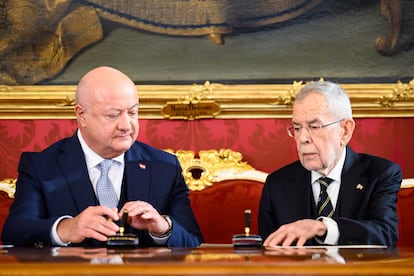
{"x": 173, "y": 42}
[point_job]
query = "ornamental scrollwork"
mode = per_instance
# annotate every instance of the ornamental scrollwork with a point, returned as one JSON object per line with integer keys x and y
{"x": 209, "y": 166}
{"x": 8, "y": 185}
{"x": 401, "y": 92}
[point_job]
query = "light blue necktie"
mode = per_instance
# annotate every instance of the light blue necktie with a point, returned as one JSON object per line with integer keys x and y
{"x": 104, "y": 188}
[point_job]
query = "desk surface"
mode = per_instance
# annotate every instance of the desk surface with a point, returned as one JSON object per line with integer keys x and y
{"x": 207, "y": 260}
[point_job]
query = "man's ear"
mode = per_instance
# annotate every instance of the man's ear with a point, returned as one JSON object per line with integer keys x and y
{"x": 348, "y": 126}
{"x": 80, "y": 115}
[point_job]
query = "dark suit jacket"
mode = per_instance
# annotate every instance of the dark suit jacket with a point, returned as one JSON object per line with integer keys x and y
{"x": 364, "y": 216}
{"x": 55, "y": 182}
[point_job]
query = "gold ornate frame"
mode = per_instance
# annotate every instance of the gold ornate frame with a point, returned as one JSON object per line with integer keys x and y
{"x": 233, "y": 100}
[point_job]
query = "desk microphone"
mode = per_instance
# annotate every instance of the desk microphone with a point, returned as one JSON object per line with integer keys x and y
{"x": 247, "y": 240}
{"x": 122, "y": 240}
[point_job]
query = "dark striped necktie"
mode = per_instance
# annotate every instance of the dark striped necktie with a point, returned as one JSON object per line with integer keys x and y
{"x": 324, "y": 206}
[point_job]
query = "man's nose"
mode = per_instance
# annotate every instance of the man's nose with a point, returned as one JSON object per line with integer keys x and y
{"x": 303, "y": 135}
{"x": 124, "y": 121}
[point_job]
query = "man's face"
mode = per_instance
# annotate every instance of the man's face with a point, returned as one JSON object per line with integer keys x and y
{"x": 319, "y": 149}
{"x": 109, "y": 122}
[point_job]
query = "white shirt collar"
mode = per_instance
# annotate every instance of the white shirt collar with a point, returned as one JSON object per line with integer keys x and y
{"x": 91, "y": 157}
{"x": 335, "y": 174}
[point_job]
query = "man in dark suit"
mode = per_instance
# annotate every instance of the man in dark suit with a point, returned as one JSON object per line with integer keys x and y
{"x": 359, "y": 205}
{"x": 58, "y": 200}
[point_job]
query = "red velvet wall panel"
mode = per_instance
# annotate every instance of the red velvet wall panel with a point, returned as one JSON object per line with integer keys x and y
{"x": 263, "y": 142}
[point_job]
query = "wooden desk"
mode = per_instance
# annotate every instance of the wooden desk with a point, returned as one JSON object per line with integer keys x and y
{"x": 206, "y": 260}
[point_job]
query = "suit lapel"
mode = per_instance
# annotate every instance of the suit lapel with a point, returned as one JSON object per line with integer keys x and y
{"x": 137, "y": 178}
{"x": 353, "y": 186}
{"x": 73, "y": 166}
{"x": 299, "y": 194}
{"x": 136, "y": 182}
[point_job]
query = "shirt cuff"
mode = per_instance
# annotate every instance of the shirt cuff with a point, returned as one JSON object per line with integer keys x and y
{"x": 332, "y": 231}
{"x": 54, "y": 235}
{"x": 160, "y": 241}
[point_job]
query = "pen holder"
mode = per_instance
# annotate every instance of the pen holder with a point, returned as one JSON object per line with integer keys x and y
{"x": 247, "y": 241}
{"x": 122, "y": 241}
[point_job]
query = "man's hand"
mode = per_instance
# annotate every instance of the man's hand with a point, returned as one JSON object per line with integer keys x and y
{"x": 299, "y": 231}
{"x": 94, "y": 222}
{"x": 142, "y": 215}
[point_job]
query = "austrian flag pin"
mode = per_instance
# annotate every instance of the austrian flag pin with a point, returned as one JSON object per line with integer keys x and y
{"x": 142, "y": 166}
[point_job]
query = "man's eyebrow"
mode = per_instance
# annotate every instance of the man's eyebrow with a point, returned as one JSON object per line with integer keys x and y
{"x": 119, "y": 110}
{"x": 134, "y": 106}
{"x": 313, "y": 121}
{"x": 308, "y": 122}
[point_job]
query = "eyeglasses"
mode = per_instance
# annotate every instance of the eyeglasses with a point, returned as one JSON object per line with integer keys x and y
{"x": 313, "y": 130}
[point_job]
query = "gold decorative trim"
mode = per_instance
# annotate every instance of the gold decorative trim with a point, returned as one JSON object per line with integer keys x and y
{"x": 8, "y": 185}
{"x": 199, "y": 104}
{"x": 234, "y": 100}
{"x": 213, "y": 166}
{"x": 190, "y": 110}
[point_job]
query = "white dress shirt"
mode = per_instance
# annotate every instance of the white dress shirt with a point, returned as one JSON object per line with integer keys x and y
{"x": 115, "y": 173}
{"x": 332, "y": 235}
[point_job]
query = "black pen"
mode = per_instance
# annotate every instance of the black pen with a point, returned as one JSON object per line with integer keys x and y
{"x": 247, "y": 214}
{"x": 123, "y": 222}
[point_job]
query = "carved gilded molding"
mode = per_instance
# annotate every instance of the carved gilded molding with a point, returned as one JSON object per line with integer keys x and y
{"x": 8, "y": 185}
{"x": 211, "y": 166}
{"x": 233, "y": 100}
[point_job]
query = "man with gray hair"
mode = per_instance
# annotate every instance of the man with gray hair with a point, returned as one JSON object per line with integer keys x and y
{"x": 331, "y": 195}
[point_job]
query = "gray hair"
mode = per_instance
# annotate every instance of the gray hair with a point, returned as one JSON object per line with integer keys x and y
{"x": 336, "y": 97}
